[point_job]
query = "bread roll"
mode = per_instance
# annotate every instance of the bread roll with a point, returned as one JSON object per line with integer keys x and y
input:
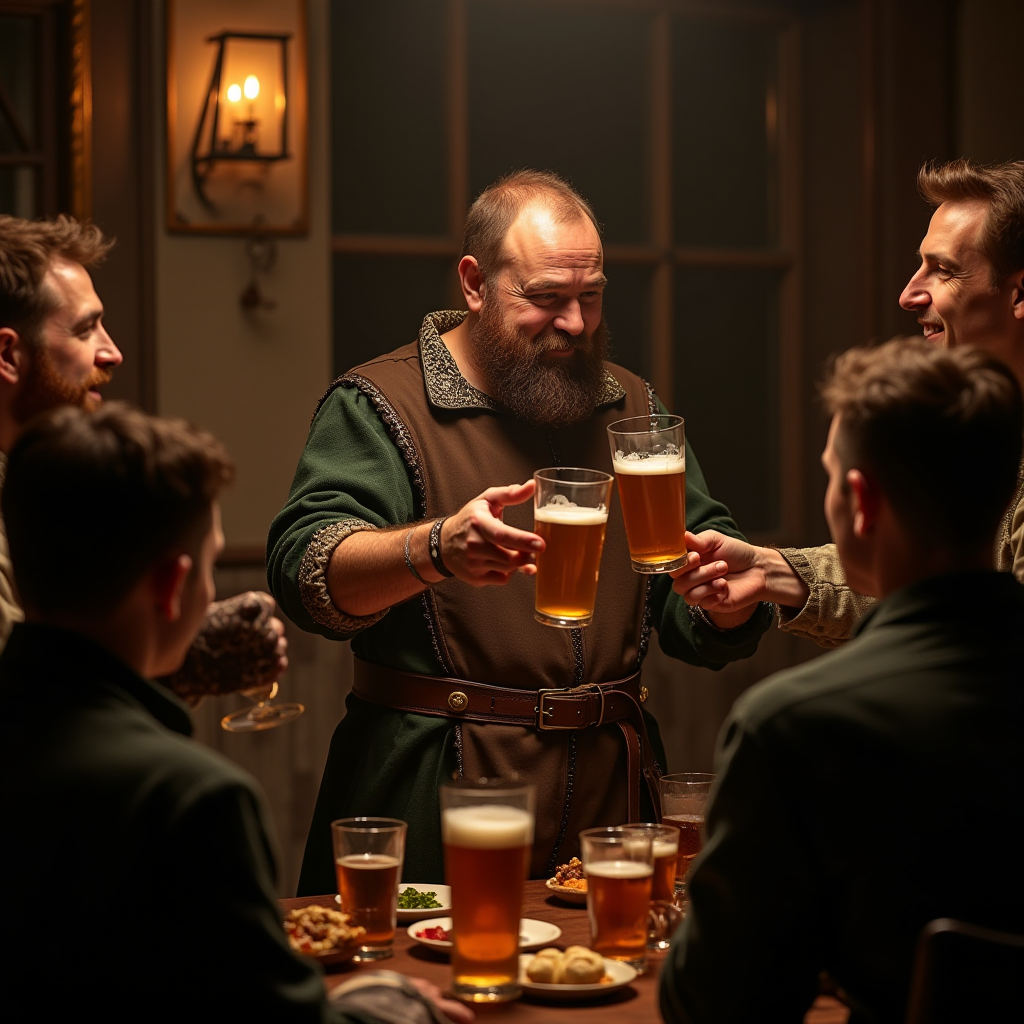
{"x": 544, "y": 966}
{"x": 581, "y": 966}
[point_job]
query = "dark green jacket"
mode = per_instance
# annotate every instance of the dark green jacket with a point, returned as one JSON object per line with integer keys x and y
{"x": 137, "y": 866}
{"x": 859, "y": 797}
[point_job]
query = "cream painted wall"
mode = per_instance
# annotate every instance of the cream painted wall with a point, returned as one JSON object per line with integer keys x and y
{"x": 253, "y": 379}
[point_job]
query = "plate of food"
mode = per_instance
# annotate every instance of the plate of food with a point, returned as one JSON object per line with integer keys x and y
{"x": 418, "y": 900}
{"x": 436, "y": 933}
{"x": 323, "y": 934}
{"x": 576, "y": 975}
{"x": 569, "y": 883}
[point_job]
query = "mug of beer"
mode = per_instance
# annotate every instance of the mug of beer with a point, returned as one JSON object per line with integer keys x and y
{"x": 368, "y": 856}
{"x": 684, "y": 799}
{"x": 570, "y": 511}
{"x": 649, "y": 459}
{"x": 487, "y": 830}
{"x": 619, "y": 866}
{"x": 664, "y": 916}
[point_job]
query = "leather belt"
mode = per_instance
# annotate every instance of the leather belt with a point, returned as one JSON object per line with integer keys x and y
{"x": 547, "y": 709}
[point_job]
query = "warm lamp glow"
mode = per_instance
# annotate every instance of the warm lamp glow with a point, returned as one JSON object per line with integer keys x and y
{"x": 252, "y": 87}
{"x": 234, "y": 92}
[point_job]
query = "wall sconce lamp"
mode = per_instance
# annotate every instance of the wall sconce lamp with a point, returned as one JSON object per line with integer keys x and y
{"x": 244, "y": 118}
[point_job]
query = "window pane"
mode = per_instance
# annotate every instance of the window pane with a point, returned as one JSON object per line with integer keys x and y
{"x": 17, "y": 73}
{"x": 18, "y": 191}
{"x": 627, "y": 306}
{"x": 727, "y": 386}
{"x": 562, "y": 87}
{"x": 380, "y": 302}
{"x": 724, "y": 150}
{"x": 388, "y": 126}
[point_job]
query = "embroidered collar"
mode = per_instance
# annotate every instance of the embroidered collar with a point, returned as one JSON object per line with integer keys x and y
{"x": 448, "y": 389}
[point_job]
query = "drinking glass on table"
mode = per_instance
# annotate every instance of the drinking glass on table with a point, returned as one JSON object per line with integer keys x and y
{"x": 570, "y": 511}
{"x": 684, "y": 799}
{"x": 649, "y": 459}
{"x": 619, "y": 865}
{"x": 487, "y": 830}
{"x": 264, "y": 714}
{"x": 664, "y": 916}
{"x": 368, "y": 856}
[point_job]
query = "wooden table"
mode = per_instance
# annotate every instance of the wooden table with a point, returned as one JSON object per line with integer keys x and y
{"x": 638, "y": 1002}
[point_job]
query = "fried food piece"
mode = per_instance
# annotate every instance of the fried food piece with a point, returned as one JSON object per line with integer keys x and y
{"x": 315, "y": 929}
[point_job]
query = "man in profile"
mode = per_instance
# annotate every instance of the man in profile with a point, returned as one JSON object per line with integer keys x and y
{"x": 866, "y": 793}
{"x": 55, "y": 351}
{"x": 968, "y": 290}
{"x": 138, "y": 867}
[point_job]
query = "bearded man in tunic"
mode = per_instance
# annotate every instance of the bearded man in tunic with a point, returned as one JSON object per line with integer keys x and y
{"x": 396, "y": 536}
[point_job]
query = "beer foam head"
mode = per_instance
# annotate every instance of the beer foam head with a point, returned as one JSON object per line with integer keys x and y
{"x": 618, "y": 868}
{"x": 653, "y": 465}
{"x": 570, "y": 515}
{"x": 665, "y": 848}
{"x": 487, "y": 826}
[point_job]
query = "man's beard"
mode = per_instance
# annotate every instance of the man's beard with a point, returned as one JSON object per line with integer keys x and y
{"x": 45, "y": 389}
{"x": 548, "y": 395}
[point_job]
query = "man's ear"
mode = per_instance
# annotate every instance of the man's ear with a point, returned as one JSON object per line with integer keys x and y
{"x": 1017, "y": 295}
{"x": 472, "y": 281}
{"x": 865, "y": 502}
{"x": 13, "y": 356}
{"x": 168, "y": 585}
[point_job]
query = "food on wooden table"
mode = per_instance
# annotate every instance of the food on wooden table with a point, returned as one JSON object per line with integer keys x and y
{"x": 437, "y": 934}
{"x": 317, "y": 929}
{"x": 571, "y": 876}
{"x": 413, "y": 899}
{"x": 576, "y": 966}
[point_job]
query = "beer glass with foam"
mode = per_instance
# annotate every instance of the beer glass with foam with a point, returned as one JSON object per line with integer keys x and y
{"x": 487, "y": 830}
{"x": 619, "y": 865}
{"x": 570, "y": 511}
{"x": 684, "y": 799}
{"x": 649, "y": 459}
{"x": 664, "y": 915}
{"x": 368, "y": 855}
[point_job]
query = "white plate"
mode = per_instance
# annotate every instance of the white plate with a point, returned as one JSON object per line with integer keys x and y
{"x": 532, "y": 934}
{"x": 443, "y": 895}
{"x": 618, "y": 975}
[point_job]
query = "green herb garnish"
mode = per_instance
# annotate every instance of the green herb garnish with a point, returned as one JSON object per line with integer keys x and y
{"x": 413, "y": 899}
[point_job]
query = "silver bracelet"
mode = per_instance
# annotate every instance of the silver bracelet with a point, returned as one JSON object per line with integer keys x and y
{"x": 408, "y": 559}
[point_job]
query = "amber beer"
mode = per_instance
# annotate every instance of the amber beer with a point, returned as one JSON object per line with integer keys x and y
{"x": 663, "y": 882}
{"x": 568, "y": 567}
{"x": 487, "y": 857}
{"x": 653, "y": 496}
{"x": 368, "y": 886}
{"x": 691, "y": 839}
{"x": 618, "y": 895}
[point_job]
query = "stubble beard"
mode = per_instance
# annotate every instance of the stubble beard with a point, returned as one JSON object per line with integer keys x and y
{"x": 547, "y": 395}
{"x": 45, "y": 389}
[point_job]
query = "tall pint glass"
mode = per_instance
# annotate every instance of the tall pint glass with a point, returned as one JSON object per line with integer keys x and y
{"x": 487, "y": 830}
{"x": 570, "y": 511}
{"x": 368, "y": 855}
{"x": 619, "y": 866}
{"x": 684, "y": 799}
{"x": 649, "y": 459}
{"x": 664, "y": 915}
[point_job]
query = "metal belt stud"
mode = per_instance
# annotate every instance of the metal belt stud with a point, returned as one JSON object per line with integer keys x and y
{"x": 457, "y": 700}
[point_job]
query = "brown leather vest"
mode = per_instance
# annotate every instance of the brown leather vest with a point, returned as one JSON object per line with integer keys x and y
{"x": 489, "y": 634}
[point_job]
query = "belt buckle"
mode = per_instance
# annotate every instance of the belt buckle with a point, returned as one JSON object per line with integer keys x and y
{"x": 541, "y": 711}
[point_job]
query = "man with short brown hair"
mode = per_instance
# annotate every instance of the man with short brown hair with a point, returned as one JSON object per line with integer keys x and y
{"x": 968, "y": 290}
{"x": 393, "y": 535}
{"x": 55, "y": 351}
{"x": 838, "y": 825}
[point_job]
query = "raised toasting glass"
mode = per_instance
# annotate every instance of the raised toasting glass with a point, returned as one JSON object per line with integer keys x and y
{"x": 487, "y": 830}
{"x": 684, "y": 799}
{"x": 264, "y": 714}
{"x": 570, "y": 511}
{"x": 619, "y": 865}
{"x": 649, "y": 459}
{"x": 368, "y": 856}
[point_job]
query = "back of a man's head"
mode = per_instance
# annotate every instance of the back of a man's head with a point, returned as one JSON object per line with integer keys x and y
{"x": 27, "y": 250}
{"x": 940, "y": 430}
{"x": 498, "y": 206}
{"x": 1001, "y": 187}
{"x": 93, "y": 501}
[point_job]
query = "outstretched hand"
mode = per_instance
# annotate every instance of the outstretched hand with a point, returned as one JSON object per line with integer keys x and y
{"x": 480, "y": 548}
{"x": 722, "y": 574}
